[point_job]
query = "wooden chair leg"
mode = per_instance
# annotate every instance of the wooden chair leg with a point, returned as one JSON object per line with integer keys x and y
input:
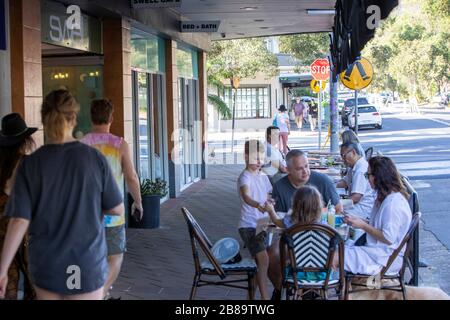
{"x": 251, "y": 286}
{"x": 194, "y": 287}
{"x": 346, "y": 287}
{"x": 402, "y": 285}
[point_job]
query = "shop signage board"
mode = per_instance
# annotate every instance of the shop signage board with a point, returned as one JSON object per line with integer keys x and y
{"x": 200, "y": 26}
{"x": 320, "y": 69}
{"x": 58, "y": 30}
{"x": 149, "y": 4}
{"x": 2, "y": 25}
{"x": 358, "y": 75}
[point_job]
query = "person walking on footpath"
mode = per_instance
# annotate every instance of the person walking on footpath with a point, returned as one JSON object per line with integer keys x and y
{"x": 283, "y": 123}
{"x": 15, "y": 143}
{"x": 313, "y": 115}
{"x": 117, "y": 152}
{"x": 299, "y": 110}
{"x": 254, "y": 190}
{"x": 61, "y": 192}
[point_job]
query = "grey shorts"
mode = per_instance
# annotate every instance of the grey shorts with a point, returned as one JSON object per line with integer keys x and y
{"x": 115, "y": 240}
{"x": 254, "y": 243}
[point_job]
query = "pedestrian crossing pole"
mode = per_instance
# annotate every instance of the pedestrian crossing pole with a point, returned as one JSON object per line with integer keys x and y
{"x": 320, "y": 114}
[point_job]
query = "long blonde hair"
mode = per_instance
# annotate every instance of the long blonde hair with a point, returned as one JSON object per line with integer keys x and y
{"x": 59, "y": 110}
{"x": 307, "y": 206}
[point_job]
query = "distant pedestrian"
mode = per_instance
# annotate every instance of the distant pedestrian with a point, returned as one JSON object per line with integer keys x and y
{"x": 117, "y": 152}
{"x": 299, "y": 109}
{"x": 15, "y": 143}
{"x": 60, "y": 193}
{"x": 313, "y": 114}
{"x": 283, "y": 123}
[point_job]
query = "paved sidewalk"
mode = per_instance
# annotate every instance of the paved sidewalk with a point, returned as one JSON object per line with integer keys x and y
{"x": 159, "y": 263}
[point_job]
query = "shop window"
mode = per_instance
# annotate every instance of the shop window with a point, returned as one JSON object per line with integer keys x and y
{"x": 84, "y": 82}
{"x": 250, "y": 102}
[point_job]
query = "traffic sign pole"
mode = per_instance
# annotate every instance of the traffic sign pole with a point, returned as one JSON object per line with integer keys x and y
{"x": 320, "y": 115}
{"x": 356, "y": 112}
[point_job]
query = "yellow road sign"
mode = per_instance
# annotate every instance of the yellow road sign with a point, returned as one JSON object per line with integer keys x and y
{"x": 358, "y": 75}
{"x": 315, "y": 86}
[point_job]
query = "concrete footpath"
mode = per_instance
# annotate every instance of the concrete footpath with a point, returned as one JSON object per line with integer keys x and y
{"x": 159, "y": 263}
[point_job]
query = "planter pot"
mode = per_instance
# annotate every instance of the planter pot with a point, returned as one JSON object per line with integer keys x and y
{"x": 150, "y": 219}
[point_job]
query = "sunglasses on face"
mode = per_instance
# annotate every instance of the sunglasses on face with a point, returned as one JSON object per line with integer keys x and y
{"x": 367, "y": 175}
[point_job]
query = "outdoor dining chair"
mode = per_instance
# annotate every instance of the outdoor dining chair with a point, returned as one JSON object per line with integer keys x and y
{"x": 243, "y": 271}
{"x": 306, "y": 253}
{"x": 385, "y": 280}
{"x": 368, "y": 152}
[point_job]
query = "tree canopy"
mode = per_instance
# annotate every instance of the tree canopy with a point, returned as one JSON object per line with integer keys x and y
{"x": 306, "y": 47}
{"x": 410, "y": 51}
{"x": 241, "y": 58}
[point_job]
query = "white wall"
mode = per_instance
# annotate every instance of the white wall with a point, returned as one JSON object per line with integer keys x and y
{"x": 5, "y": 71}
{"x": 276, "y": 98}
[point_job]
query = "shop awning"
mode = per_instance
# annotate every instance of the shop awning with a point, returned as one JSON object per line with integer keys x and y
{"x": 255, "y": 18}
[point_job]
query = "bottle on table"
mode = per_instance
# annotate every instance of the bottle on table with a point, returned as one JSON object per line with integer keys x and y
{"x": 331, "y": 215}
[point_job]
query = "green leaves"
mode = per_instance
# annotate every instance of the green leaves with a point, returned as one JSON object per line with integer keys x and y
{"x": 220, "y": 105}
{"x": 306, "y": 47}
{"x": 241, "y": 58}
{"x": 410, "y": 51}
{"x": 153, "y": 188}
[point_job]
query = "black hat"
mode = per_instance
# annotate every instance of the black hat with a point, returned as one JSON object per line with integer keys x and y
{"x": 14, "y": 130}
{"x": 282, "y": 108}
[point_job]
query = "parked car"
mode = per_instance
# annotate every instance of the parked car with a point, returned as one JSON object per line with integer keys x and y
{"x": 340, "y": 104}
{"x": 348, "y": 106}
{"x": 368, "y": 116}
{"x": 386, "y": 97}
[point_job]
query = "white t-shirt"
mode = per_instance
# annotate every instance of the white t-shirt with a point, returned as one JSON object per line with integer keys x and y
{"x": 259, "y": 186}
{"x": 273, "y": 160}
{"x": 358, "y": 183}
{"x": 282, "y": 121}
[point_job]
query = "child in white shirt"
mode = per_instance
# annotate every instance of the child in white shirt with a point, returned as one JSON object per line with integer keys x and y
{"x": 254, "y": 188}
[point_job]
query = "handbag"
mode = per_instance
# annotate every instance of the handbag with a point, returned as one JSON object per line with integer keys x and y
{"x": 274, "y": 121}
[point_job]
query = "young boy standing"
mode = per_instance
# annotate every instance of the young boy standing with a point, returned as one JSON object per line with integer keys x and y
{"x": 254, "y": 188}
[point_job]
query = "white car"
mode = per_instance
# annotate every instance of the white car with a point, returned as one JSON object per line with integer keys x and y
{"x": 368, "y": 116}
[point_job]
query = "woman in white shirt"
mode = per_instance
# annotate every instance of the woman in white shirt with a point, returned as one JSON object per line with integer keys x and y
{"x": 283, "y": 123}
{"x": 388, "y": 225}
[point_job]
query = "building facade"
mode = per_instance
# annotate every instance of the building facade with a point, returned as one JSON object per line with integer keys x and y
{"x": 139, "y": 59}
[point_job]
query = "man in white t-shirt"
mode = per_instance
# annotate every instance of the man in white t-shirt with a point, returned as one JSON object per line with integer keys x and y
{"x": 275, "y": 165}
{"x": 360, "y": 191}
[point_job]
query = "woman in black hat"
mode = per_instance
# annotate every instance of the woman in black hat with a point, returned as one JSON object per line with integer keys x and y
{"x": 15, "y": 143}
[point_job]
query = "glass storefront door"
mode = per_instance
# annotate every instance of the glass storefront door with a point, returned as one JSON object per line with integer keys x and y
{"x": 189, "y": 138}
{"x": 150, "y": 128}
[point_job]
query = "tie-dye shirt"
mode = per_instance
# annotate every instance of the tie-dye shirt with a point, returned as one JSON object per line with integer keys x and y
{"x": 109, "y": 145}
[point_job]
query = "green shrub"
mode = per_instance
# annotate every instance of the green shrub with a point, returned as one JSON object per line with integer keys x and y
{"x": 153, "y": 188}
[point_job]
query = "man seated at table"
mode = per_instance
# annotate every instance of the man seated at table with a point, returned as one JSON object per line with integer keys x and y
{"x": 361, "y": 193}
{"x": 299, "y": 174}
{"x": 275, "y": 166}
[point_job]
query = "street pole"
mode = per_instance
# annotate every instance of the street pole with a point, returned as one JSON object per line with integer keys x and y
{"x": 334, "y": 114}
{"x": 320, "y": 114}
{"x": 232, "y": 122}
{"x": 356, "y": 112}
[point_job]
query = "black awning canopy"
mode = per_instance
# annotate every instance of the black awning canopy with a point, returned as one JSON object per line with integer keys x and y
{"x": 353, "y": 28}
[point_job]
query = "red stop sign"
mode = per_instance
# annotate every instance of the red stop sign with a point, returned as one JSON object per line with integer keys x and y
{"x": 320, "y": 69}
